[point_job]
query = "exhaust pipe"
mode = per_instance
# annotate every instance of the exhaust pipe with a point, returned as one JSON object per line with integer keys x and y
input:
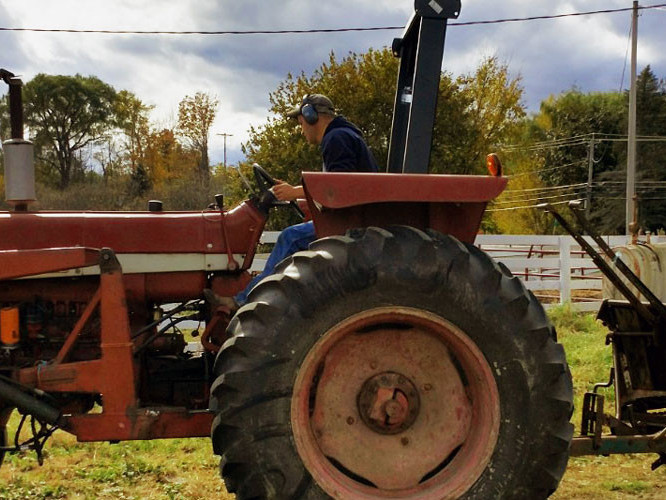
{"x": 30, "y": 405}
{"x": 19, "y": 153}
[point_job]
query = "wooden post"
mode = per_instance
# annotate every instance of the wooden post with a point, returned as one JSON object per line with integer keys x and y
{"x": 565, "y": 268}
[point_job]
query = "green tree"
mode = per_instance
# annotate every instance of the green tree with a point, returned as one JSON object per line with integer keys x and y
{"x": 566, "y": 123}
{"x": 361, "y": 86}
{"x": 474, "y": 112}
{"x": 195, "y": 117}
{"x": 493, "y": 115}
{"x": 4, "y": 118}
{"x": 650, "y": 170}
{"x": 131, "y": 117}
{"x": 67, "y": 113}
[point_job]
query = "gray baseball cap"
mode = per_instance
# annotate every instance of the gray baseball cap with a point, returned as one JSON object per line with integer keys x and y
{"x": 320, "y": 102}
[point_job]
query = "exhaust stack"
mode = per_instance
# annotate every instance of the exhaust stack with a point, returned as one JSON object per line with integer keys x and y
{"x": 19, "y": 153}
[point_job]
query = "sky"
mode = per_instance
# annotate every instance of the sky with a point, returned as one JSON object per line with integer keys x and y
{"x": 550, "y": 56}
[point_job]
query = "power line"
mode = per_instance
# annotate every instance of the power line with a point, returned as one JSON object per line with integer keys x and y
{"x": 320, "y": 30}
{"x": 566, "y": 196}
{"x": 573, "y": 190}
{"x": 547, "y": 169}
{"x": 530, "y": 206}
{"x": 525, "y": 207}
{"x": 622, "y": 183}
{"x": 626, "y": 55}
{"x": 558, "y": 16}
{"x": 234, "y": 32}
{"x": 577, "y": 140}
{"x": 517, "y": 197}
{"x": 624, "y": 198}
{"x": 547, "y": 188}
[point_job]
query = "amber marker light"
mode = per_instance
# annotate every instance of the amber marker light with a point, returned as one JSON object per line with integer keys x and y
{"x": 494, "y": 165}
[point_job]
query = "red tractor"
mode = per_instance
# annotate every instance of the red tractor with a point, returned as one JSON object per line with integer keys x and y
{"x": 393, "y": 359}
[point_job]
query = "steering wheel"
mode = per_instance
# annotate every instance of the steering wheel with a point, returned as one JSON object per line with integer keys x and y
{"x": 265, "y": 182}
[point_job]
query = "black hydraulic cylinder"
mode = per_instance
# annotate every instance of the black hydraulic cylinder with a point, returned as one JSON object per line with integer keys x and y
{"x": 425, "y": 88}
{"x": 420, "y": 50}
{"x": 29, "y": 404}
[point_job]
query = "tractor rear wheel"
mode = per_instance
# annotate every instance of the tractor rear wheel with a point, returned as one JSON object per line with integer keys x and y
{"x": 391, "y": 364}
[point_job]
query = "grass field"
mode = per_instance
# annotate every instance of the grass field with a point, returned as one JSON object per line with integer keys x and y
{"x": 187, "y": 468}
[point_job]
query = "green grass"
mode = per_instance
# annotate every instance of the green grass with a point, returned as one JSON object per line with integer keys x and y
{"x": 187, "y": 468}
{"x": 170, "y": 469}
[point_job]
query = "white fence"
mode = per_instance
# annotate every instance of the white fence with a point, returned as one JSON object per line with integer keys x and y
{"x": 555, "y": 268}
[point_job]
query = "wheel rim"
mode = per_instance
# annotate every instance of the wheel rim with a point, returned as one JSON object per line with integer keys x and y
{"x": 395, "y": 403}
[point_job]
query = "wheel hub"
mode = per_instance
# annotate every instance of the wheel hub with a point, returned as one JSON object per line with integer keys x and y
{"x": 395, "y": 402}
{"x": 388, "y": 403}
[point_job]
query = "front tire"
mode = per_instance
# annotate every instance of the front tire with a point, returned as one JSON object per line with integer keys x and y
{"x": 391, "y": 363}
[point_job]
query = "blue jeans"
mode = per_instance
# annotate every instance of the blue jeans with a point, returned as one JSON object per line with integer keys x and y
{"x": 291, "y": 240}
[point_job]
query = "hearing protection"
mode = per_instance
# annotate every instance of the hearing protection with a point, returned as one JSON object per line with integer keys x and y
{"x": 309, "y": 112}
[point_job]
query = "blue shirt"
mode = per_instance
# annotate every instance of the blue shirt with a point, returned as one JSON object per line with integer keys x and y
{"x": 344, "y": 150}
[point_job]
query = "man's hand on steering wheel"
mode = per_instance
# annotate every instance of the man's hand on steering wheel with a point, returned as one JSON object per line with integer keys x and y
{"x": 267, "y": 185}
{"x": 284, "y": 191}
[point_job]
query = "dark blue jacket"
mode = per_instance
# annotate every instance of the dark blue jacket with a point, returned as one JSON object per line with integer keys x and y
{"x": 344, "y": 150}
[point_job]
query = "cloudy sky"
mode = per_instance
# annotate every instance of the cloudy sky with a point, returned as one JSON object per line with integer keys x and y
{"x": 550, "y": 55}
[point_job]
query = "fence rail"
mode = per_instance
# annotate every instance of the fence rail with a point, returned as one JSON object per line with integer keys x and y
{"x": 555, "y": 268}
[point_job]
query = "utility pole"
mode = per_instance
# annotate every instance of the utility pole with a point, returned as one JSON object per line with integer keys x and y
{"x": 590, "y": 173}
{"x": 631, "y": 143}
{"x": 225, "y": 135}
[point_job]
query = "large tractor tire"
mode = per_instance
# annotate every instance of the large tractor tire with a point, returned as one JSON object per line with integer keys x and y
{"x": 391, "y": 364}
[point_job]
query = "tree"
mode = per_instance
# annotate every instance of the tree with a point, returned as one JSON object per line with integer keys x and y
{"x": 650, "y": 170}
{"x": 362, "y": 87}
{"x": 164, "y": 160}
{"x": 4, "y": 118}
{"x": 195, "y": 117}
{"x": 66, "y": 113}
{"x": 493, "y": 115}
{"x": 473, "y": 112}
{"x": 566, "y": 122}
{"x": 131, "y": 117}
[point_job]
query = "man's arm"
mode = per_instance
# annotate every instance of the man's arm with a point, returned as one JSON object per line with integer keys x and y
{"x": 286, "y": 192}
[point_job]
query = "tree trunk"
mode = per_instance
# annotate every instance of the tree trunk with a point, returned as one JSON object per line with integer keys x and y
{"x": 204, "y": 168}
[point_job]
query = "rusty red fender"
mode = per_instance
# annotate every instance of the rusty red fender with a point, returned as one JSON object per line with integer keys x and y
{"x": 450, "y": 204}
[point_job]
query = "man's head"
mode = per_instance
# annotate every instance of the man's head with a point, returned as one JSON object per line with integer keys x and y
{"x": 314, "y": 113}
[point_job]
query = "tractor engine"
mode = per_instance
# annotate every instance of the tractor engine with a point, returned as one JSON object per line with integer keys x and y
{"x": 36, "y": 327}
{"x": 34, "y": 331}
{"x": 165, "y": 260}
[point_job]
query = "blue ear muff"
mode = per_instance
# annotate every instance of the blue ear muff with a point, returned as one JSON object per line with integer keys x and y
{"x": 309, "y": 113}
